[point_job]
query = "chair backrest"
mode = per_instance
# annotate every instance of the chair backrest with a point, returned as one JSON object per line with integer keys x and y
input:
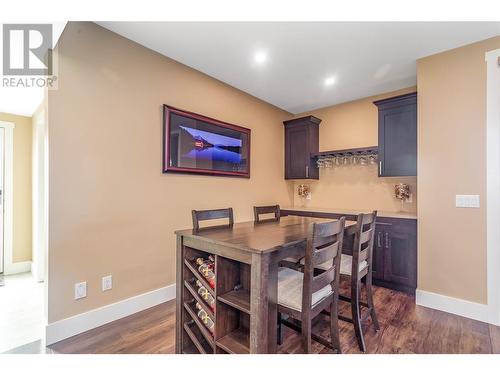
{"x": 262, "y": 210}
{"x": 363, "y": 243}
{"x": 324, "y": 244}
{"x": 222, "y": 213}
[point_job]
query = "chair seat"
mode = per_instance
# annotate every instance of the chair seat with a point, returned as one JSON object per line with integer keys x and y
{"x": 290, "y": 286}
{"x": 346, "y": 265}
{"x": 293, "y": 260}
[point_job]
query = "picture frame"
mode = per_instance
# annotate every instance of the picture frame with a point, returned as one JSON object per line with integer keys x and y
{"x": 197, "y": 144}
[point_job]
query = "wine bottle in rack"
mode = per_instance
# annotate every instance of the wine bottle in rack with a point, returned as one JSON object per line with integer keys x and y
{"x": 202, "y": 314}
{"x": 205, "y": 294}
{"x": 206, "y": 267}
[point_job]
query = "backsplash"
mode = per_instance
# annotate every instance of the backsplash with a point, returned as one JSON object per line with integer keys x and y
{"x": 356, "y": 187}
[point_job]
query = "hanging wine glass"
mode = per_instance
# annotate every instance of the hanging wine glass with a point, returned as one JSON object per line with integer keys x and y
{"x": 362, "y": 160}
{"x": 346, "y": 159}
{"x": 354, "y": 159}
{"x": 320, "y": 162}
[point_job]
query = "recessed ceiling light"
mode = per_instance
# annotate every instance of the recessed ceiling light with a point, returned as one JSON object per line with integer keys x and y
{"x": 260, "y": 57}
{"x": 329, "y": 81}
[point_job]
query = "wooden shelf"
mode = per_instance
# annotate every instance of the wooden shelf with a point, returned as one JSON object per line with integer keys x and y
{"x": 350, "y": 151}
{"x": 239, "y": 299}
{"x": 236, "y": 342}
{"x": 199, "y": 276}
{"x": 194, "y": 339}
{"x": 205, "y": 332}
{"x": 200, "y": 300}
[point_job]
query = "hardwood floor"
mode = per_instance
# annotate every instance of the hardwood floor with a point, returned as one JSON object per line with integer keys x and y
{"x": 404, "y": 328}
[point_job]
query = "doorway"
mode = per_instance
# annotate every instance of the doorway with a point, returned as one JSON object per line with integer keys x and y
{"x": 22, "y": 302}
{"x": 6, "y": 175}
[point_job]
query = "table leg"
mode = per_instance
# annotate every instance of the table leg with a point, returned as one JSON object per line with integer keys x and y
{"x": 272, "y": 287}
{"x": 263, "y": 297}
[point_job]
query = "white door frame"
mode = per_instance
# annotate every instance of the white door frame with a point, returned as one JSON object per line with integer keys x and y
{"x": 493, "y": 184}
{"x": 8, "y": 127}
{"x": 40, "y": 188}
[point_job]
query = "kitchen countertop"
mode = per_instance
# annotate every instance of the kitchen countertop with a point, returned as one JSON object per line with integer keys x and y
{"x": 396, "y": 215}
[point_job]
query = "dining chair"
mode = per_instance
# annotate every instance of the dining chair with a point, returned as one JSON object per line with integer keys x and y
{"x": 203, "y": 215}
{"x": 303, "y": 296}
{"x": 357, "y": 266}
{"x": 263, "y": 210}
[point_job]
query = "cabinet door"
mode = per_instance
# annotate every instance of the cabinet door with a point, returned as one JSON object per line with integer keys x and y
{"x": 398, "y": 140}
{"x": 400, "y": 261}
{"x": 297, "y": 152}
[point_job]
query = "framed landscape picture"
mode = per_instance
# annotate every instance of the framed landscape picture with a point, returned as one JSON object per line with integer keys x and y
{"x": 194, "y": 143}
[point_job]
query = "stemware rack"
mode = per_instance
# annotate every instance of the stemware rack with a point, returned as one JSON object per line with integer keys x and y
{"x": 348, "y": 151}
{"x": 360, "y": 155}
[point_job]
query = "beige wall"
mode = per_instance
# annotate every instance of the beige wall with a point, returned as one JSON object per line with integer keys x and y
{"x": 21, "y": 237}
{"x": 452, "y": 160}
{"x": 348, "y": 125}
{"x": 111, "y": 209}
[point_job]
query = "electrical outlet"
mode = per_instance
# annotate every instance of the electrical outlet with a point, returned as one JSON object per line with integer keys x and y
{"x": 467, "y": 201}
{"x": 81, "y": 290}
{"x": 107, "y": 283}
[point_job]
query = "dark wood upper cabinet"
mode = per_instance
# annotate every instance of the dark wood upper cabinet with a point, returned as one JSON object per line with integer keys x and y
{"x": 301, "y": 140}
{"x": 397, "y": 135}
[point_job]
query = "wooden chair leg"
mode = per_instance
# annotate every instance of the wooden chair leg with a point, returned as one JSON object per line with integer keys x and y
{"x": 306, "y": 335}
{"x": 280, "y": 330}
{"x": 356, "y": 316}
{"x": 334, "y": 325}
{"x": 371, "y": 306}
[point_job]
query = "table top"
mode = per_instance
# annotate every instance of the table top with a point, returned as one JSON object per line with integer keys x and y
{"x": 259, "y": 238}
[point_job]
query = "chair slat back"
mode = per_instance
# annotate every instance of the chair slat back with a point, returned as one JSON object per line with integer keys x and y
{"x": 324, "y": 244}
{"x": 203, "y": 215}
{"x": 326, "y": 253}
{"x": 363, "y": 242}
{"x": 262, "y": 210}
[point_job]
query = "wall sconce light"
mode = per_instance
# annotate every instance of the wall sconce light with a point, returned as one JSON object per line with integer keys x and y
{"x": 402, "y": 192}
{"x": 304, "y": 191}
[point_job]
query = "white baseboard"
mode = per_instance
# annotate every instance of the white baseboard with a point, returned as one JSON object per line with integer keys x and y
{"x": 62, "y": 329}
{"x": 18, "y": 267}
{"x": 468, "y": 309}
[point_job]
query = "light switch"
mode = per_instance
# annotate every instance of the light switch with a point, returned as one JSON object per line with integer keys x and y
{"x": 467, "y": 201}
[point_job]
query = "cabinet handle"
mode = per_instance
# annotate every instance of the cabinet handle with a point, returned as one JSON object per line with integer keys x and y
{"x": 307, "y": 171}
{"x": 386, "y": 240}
{"x": 380, "y": 168}
{"x": 379, "y": 242}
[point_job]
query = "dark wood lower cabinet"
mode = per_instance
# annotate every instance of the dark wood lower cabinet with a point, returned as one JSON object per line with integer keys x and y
{"x": 395, "y": 254}
{"x": 394, "y": 251}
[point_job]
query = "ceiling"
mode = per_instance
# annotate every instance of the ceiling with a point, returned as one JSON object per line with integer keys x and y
{"x": 307, "y": 65}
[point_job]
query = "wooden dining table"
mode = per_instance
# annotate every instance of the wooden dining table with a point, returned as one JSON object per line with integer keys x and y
{"x": 247, "y": 257}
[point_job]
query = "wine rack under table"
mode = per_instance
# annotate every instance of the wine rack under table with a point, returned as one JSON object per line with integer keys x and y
{"x": 247, "y": 255}
{"x": 232, "y": 306}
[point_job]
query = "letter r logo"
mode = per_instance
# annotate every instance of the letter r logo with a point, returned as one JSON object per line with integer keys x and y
{"x": 27, "y": 49}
